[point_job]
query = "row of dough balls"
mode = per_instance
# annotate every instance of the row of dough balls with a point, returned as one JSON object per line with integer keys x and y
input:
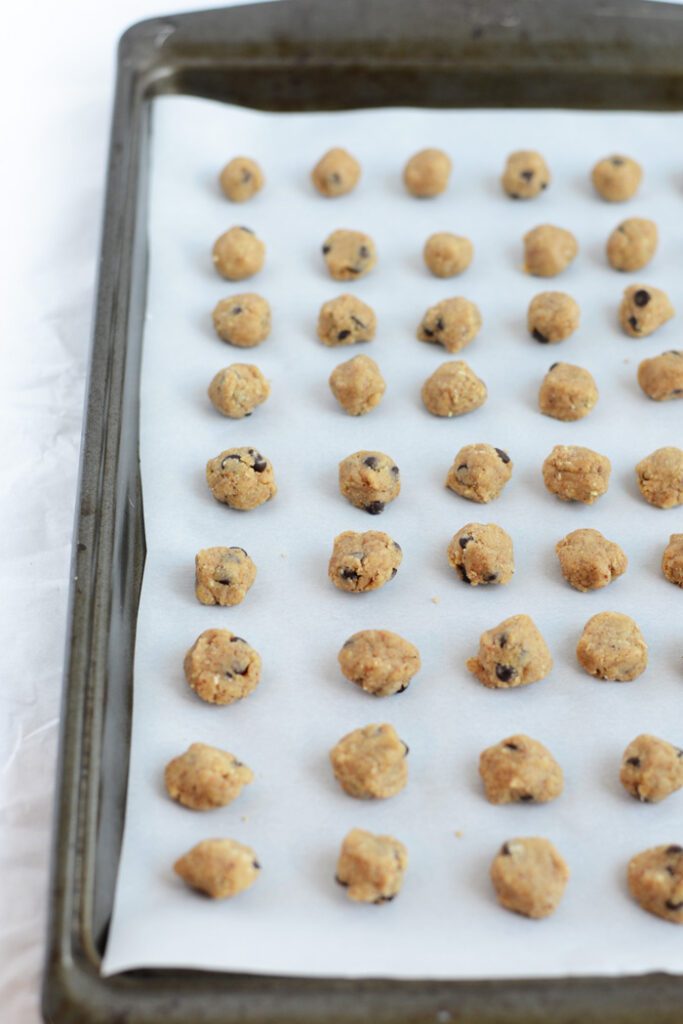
{"x": 427, "y": 174}
{"x": 244, "y": 479}
{"x": 245, "y": 320}
{"x": 567, "y": 392}
{"x": 349, "y": 255}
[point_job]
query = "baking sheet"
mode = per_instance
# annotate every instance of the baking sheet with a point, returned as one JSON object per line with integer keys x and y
{"x": 446, "y": 922}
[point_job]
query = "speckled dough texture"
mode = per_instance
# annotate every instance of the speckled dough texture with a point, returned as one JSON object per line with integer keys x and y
{"x": 223, "y": 576}
{"x": 346, "y": 320}
{"x": 651, "y": 768}
{"x": 243, "y": 320}
{"x": 363, "y": 561}
{"x": 241, "y": 478}
{"x": 573, "y": 473}
{"x": 238, "y": 254}
{"x": 453, "y": 390}
{"x": 552, "y": 317}
{"x": 358, "y": 385}
{"x": 479, "y": 472}
{"x": 481, "y": 554}
{"x": 672, "y": 559}
{"x": 205, "y": 777}
{"x": 447, "y": 255}
{"x": 427, "y": 173}
{"x": 632, "y": 244}
{"x": 336, "y": 173}
{"x": 661, "y": 377}
{"x": 520, "y": 770}
{"x": 371, "y": 867}
{"x": 588, "y": 560}
{"x": 567, "y": 393}
{"x": 529, "y": 876}
{"x": 238, "y": 389}
{"x": 381, "y": 662}
{"x": 371, "y": 763}
{"x": 511, "y": 654}
{"x": 612, "y": 647}
{"x": 644, "y": 309}
{"x": 349, "y": 255}
{"x": 222, "y": 668}
{"x": 660, "y": 477}
{"x": 548, "y": 250}
{"x": 655, "y": 880}
{"x": 526, "y": 174}
{"x": 369, "y": 480}
{"x": 241, "y": 179}
{"x": 616, "y": 178}
{"x": 220, "y": 868}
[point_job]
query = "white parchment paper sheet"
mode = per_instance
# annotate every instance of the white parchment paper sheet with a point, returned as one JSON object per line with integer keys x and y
{"x": 446, "y": 923}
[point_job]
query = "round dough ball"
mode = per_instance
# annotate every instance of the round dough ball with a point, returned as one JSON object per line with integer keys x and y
{"x": 205, "y": 777}
{"x": 453, "y": 390}
{"x": 672, "y": 559}
{"x": 363, "y": 561}
{"x": 660, "y": 477}
{"x": 447, "y": 255}
{"x": 222, "y": 668}
{"x": 651, "y": 769}
{"x": 655, "y": 880}
{"x": 238, "y": 254}
{"x": 479, "y": 472}
{"x": 346, "y": 321}
{"x": 221, "y": 868}
{"x": 242, "y": 320}
{"x": 589, "y": 561}
{"x": 369, "y": 480}
{"x": 349, "y": 254}
{"x": 661, "y": 377}
{"x": 241, "y": 478}
{"x": 643, "y": 309}
{"x": 567, "y": 393}
{"x": 481, "y": 553}
{"x": 632, "y": 244}
{"x": 223, "y": 576}
{"x": 336, "y": 173}
{"x": 358, "y": 385}
{"x": 241, "y": 179}
{"x": 616, "y": 178}
{"x": 238, "y": 389}
{"x": 612, "y": 647}
{"x": 370, "y": 763}
{"x": 520, "y": 770}
{"x": 380, "y": 662}
{"x": 552, "y": 317}
{"x": 511, "y": 654}
{"x": 370, "y": 867}
{"x": 453, "y": 323}
{"x": 526, "y": 174}
{"x": 573, "y": 473}
{"x": 427, "y": 173}
{"x": 529, "y": 876}
{"x": 548, "y": 250}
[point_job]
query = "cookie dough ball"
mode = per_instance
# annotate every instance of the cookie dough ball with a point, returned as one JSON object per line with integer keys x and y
{"x": 349, "y": 254}
{"x": 589, "y": 561}
{"x": 479, "y": 472}
{"x": 660, "y": 477}
{"x": 363, "y": 561}
{"x": 643, "y": 309}
{"x": 447, "y": 255}
{"x": 655, "y": 880}
{"x": 238, "y": 254}
{"x": 567, "y": 393}
{"x": 223, "y": 576}
{"x": 526, "y": 174}
{"x": 369, "y": 480}
{"x": 380, "y": 662}
{"x": 573, "y": 473}
{"x": 242, "y": 320}
{"x": 370, "y": 763}
{"x": 358, "y": 385}
{"x": 661, "y": 377}
{"x": 370, "y": 867}
{"x": 205, "y": 777}
{"x": 241, "y": 478}
{"x": 548, "y": 250}
{"x": 520, "y": 770}
{"x": 238, "y": 389}
{"x": 426, "y": 174}
{"x": 336, "y": 173}
{"x": 346, "y": 321}
{"x": 453, "y": 323}
{"x": 241, "y": 179}
{"x": 672, "y": 559}
{"x": 453, "y": 390}
{"x": 612, "y": 647}
{"x": 552, "y": 317}
{"x": 511, "y": 654}
{"x": 481, "y": 553}
{"x": 221, "y": 868}
{"x": 529, "y": 876}
{"x": 632, "y": 244}
{"x": 616, "y": 178}
{"x": 651, "y": 769}
{"x": 222, "y": 668}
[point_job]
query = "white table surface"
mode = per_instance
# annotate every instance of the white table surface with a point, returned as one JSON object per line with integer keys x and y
{"x": 57, "y": 80}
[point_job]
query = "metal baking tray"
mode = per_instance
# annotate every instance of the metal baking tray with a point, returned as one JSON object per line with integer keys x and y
{"x": 295, "y": 55}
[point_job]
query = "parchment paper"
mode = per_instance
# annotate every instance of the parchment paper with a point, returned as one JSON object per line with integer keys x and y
{"x": 446, "y": 922}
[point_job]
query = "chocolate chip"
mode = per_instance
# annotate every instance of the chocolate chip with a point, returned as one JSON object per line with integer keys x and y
{"x": 511, "y": 746}
{"x": 527, "y": 175}
{"x": 256, "y": 865}
{"x": 427, "y": 332}
{"x": 246, "y": 175}
{"x": 348, "y": 574}
{"x": 674, "y": 849}
{"x": 364, "y": 252}
{"x": 463, "y": 465}
{"x": 339, "y": 881}
{"x": 357, "y": 322}
{"x": 238, "y": 549}
{"x": 505, "y": 850}
{"x": 393, "y": 572}
{"x": 617, "y": 161}
{"x": 240, "y": 671}
{"x": 395, "y": 470}
{"x": 439, "y": 325}
{"x": 353, "y": 270}
{"x": 513, "y": 195}
{"x": 674, "y": 352}
{"x": 634, "y": 761}
{"x": 677, "y": 391}
{"x": 670, "y": 905}
{"x": 634, "y": 323}
{"x": 237, "y": 639}
{"x": 225, "y": 583}
{"x": 539, "y": 337}
{"x": 228, "y": 458}
{"x": 335, "y": 178}
{"x": 375, "y": 507}
{"x": 259, "y": 463}
{"x": 464, "y": 541}
{"x": 371, "y": 462}
{"x": 397, "y": 546}
{"x": 326, "y": 249}
{"x": 407, "y": 748}
{"x": 526, "y": 798}
{"x": 491, "y": 577}
{"x": 544, "y": 184}
{"x": 505, "y": 673}
{"x": 347, "y": 643}
{"x": 552, "y": 367}
{"x": 502, "y": 455}
{"x": 403, "y": 688}
{"x": 463, "y": 573}
{"x": 236, "y": 310}
{"x": 641, "y": 297}
{"x": 384, "y": 899}
{"x": 502, "y": 640}
{"x": 343, "y": 334}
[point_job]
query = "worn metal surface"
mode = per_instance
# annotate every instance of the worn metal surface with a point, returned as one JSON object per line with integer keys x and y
{"x": 300, "y": 55}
